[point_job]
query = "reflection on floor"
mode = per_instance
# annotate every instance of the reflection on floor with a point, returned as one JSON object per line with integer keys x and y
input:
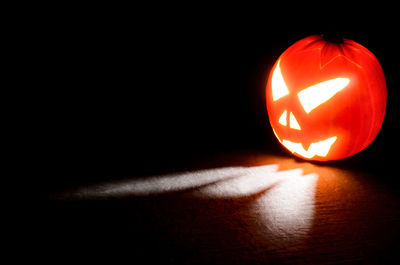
{"x": 266, "y": 210}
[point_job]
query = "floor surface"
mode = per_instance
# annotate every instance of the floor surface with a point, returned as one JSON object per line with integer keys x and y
{"x": 238, "y": 208}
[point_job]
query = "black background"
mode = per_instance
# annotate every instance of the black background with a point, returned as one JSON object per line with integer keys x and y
{"x": 123, "y": 92}
{"x": 136, "y": 92}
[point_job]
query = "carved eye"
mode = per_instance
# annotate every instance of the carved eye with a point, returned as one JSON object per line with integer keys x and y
{"x": 279, "y": 88}
{"x": 313, "y": 96}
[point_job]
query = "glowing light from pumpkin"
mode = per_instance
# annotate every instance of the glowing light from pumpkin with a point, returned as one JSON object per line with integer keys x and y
{"x": 282, "y": 119}
{"x": 321, "y": 90}
{"x": 287, "y": 209}
{"x": 283, "y": 202}
{"x": 293, "y": 122}
{"x": 279, "y": 88}
{"x": 284, "y": 205}
{"x": 313, "y": 96}
{"x": 168, "y": 183}
{"x": 320, "y": 148}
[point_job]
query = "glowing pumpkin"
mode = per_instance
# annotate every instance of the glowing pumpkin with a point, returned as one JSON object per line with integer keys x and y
{"x": 326, "y": 100}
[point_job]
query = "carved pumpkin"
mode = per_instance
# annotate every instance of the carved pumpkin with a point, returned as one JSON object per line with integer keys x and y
{"x": 326, "y": 100}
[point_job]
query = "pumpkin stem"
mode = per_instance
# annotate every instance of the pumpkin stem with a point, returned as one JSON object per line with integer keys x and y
{"x": 333, "y": 36}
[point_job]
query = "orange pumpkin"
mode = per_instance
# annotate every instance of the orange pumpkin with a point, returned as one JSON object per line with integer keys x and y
{"x": 326, "y": 100}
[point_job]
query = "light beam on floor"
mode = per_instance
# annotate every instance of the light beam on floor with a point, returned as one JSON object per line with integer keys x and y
{"x": 282, "y": 212}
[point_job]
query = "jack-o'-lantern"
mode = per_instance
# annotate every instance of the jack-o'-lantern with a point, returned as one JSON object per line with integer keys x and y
{"x": 326, "y": 100}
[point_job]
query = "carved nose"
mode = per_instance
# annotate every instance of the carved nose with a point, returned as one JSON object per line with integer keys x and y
{"x": 293, "y": 123}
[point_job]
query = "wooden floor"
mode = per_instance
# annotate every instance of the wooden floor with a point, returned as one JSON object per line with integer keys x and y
{"x": 241, "y": 208}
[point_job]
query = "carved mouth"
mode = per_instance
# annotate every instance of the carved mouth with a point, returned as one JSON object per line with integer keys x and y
{"x": 320, "y": 148}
